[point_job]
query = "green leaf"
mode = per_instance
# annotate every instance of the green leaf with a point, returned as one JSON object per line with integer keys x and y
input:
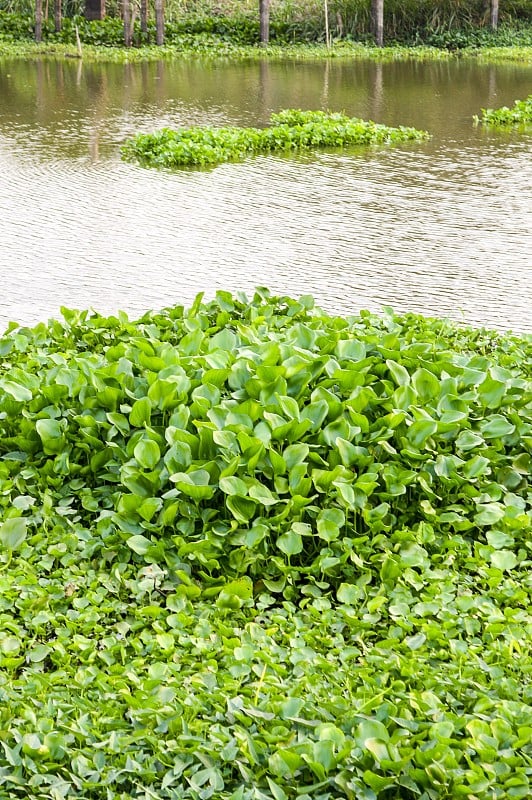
{"x": 421, "y": 430}
{"x": 371, "y": 729}
{"x": 262, "y": 495}
{"x": 38, "y": 653}
{"x": 378, "y": 749}
{"x": 291, "y": 543}
{"x": 140, "y": 414}
{"x": 350, "y": 594}
{"x": 499, "y": 540}
{"x": 426, "y": 385}
{"x": 233, "y": 486}
{"x": 496, "y": 426}
{"x": 51, "y": 434}
{"x": 147, "y": 453}
{"x": 330, "y": 520}
{"x": 242, "y": 508}
{"x": 399, "y": 373}
{"x": 242, "y": 587}
{"x": 489, "y": 514}
{"x": 194, "y": 484}
{"x": 503, "y": 559}
{"x": 351, "y": 349}
{"x": 13, "y": 532}
{"x": 139, "y": 544}
{"x": 20, "y": 393}
{"x": 416, "y": 641}
{"x": 468, "y": 440}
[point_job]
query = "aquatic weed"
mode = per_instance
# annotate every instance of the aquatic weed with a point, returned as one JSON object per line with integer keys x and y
{"x": 249, "y": 550}
{"x": 290, "y": 131}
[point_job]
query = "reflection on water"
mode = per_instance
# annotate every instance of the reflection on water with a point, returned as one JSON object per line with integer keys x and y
{"x": 442, "y": 228}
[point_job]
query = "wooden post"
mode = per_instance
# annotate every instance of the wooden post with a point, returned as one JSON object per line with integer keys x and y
{"x": 494, "y": 16}
{"x": 377, "y": 21}
{"x": 38, "y": 20}
{"x": 264, "y": 21}
{"x": 94, "y": 9}
{"x": 58, "y": 13}
{"x": 159, "y": 22}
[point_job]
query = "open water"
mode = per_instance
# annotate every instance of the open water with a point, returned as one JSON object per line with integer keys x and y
{"x": 443, "y": 228}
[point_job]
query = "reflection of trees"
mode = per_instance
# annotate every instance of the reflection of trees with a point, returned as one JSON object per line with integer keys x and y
{"x": 64, "y": 104}
{"x": 264, "y": 90}
{"x": 377, "y": 91}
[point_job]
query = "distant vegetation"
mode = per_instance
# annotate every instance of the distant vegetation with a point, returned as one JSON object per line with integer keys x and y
{"x": 520, "y": 114}
{"x": 290, "y": 131}
{"x": 250, "y": 551}
{"x": 453, "y": 25}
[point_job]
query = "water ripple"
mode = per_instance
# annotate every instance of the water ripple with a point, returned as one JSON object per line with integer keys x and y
{"x": 442, "y": 228}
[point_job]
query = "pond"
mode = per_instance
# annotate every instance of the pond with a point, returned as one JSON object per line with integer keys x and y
{"x": 443, "y": 228}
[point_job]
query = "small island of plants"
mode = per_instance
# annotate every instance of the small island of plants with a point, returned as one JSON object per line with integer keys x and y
{"x": 291, "y": 130}
{"x": 519, "y": 114}
{"x": 251, "y": 551}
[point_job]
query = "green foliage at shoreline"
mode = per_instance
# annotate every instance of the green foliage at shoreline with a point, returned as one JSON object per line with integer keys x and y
{"x": 251, "y": 551}
{"x": 519, "y": 115}
{"x": 290, "y": 131}
{"x": 103, "y": 41}
{"x": 218, "y": 36}
{"x": 207, "y": 48}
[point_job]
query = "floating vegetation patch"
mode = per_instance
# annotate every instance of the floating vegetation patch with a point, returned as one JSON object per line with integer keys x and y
{"x": 290, "y": 131}
{"x": 250, "y": 551}
{"x": 519, "y": 114}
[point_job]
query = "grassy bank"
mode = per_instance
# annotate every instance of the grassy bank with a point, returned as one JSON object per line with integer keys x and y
{"x": 213, "y": 48}
{"x": 218, "y": 36}
{"x": 250, "y": 551}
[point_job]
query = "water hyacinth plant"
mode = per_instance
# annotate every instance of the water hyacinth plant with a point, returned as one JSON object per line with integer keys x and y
{"x": 290, "y": 131}
{"x": 249, "y": 550}
{"x": 519, "y": 114}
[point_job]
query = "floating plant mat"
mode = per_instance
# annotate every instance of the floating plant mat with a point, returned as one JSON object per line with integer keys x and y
{"x": 290, "y": 130}
{"x": 249, "y": 550}
{"x": 519, "y": 115}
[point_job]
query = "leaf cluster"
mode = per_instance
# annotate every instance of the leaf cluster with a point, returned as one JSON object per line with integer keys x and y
{"x": 519, "y": 115}
{"x": 251, "y": 551}
{"x": 290, "y": 131}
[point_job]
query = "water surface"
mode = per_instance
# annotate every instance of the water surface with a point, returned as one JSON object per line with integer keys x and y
{"x": 443, "y": 228}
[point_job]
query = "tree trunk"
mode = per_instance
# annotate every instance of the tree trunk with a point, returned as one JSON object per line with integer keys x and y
{"x": 159, "y": 22}
{"x": 494, "y": 16}
{"x": 144, "y": 16}
{"x": 326, "y": 16}
{"x": 38, "y": 20}
{"x": 377, "y": 21}
{"x": 264, "y": 17}
{"x": 126, "y": 13}
{"x": 58, "y": 13}
{"x": 94, "y": 9}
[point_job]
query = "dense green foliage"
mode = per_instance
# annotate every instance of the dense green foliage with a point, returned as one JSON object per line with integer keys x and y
{"x": 519, "y": 115}
{"x": 290, "y": 131}
{"x": 252, "y": 551}
{"x": 288, "y": 28}
{"x": 215, "y": 48}
{"x": 450, "y": 22}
